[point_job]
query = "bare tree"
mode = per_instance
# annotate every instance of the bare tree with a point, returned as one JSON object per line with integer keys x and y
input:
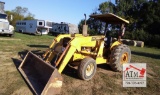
{"x": 20, "y": 10}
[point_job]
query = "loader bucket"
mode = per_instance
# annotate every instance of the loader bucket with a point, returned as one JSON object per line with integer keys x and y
{"x": 43, "y": 78}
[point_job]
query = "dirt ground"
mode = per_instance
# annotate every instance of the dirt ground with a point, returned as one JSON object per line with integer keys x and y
{"x": 105, "y": 82}
{"x": 11, "y": 82}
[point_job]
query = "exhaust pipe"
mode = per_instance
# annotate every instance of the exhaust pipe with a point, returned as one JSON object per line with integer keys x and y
{"x": 85, "y": 28}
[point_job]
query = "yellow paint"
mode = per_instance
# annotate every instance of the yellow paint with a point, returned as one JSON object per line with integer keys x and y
{"x": 101, "y": 60}
{"x": 76, "y": 52}
{"x": 126, "y": 21}
{"x": 124, "y": 58}
{"x": 116, "y": 43}
{"x": 50, "y": 57}
{"x": 81, "y": 41}
{"x": 57, "y": 40}
{"x": 66, "y": 58}
{"x": 77, "y": 56}
{"x": 87, "y": 52}
{"x": 101, "y": 47}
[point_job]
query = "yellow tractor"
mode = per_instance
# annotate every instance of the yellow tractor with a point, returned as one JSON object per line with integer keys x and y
{"x": 44, "y": 74}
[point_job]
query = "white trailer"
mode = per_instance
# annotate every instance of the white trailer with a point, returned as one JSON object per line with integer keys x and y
{"x": 63, "y": 28}
{"x": 33, "y": 26}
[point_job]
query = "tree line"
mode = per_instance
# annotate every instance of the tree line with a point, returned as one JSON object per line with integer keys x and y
{"x": 20, "y": 13}
{"x": 143, "y": 15}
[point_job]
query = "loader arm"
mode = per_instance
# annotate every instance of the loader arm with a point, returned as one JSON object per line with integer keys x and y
{"x": 50, "y": 50}
{"x": 66, "y": 58}
{"x": 49, "y": 53}
{"x": 73, "y": 47}
{"x": 67, "y": 54}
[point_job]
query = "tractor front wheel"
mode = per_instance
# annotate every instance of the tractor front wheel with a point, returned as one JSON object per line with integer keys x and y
{"x": 120, "y": 55}
{"x": 87, "y": 68}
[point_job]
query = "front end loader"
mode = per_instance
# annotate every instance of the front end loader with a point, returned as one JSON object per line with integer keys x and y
{"x": 44, "y": 74}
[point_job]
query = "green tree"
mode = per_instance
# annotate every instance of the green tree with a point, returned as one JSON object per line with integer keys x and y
{"x": 19, "y": 13}
{"x": 143, "y": 15}
{"x": 123, "y": 6}
{"x": 29, "y": 16}
{"x": 97, "y": 26}
{"x": 106, "y": 7}
{"x": 15, "y": 17}
{"x": 149, "y": 19}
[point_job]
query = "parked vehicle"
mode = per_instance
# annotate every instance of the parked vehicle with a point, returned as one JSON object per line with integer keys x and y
{"x": 5, "y": 28}
{"x": 63, "y": 28}
{"x": 33, "y": 26}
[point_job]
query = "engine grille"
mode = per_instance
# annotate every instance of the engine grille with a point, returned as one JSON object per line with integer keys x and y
{"x": 4, "y": 25}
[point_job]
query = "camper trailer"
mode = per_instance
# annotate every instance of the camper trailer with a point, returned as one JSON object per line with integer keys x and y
{"x": 63, "y": 28}
{"x": 33, "y": 26}
{"x": 5, "y": 28}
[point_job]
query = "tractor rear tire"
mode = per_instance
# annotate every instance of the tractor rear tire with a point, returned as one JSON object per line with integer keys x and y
{"x": 87, "y": 68}
{"x": 120, "y": 55}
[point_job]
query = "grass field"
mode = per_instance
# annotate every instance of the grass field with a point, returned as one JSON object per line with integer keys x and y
{"x": 105, "y": 82}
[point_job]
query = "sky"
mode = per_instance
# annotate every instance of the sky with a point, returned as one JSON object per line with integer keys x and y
{"x": 70, "y": 11}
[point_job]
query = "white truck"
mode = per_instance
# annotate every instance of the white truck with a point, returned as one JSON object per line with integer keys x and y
{"x": 33, "y": 26}
{"x": 63, "y": 28}
{"x": 5, "y": 28}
